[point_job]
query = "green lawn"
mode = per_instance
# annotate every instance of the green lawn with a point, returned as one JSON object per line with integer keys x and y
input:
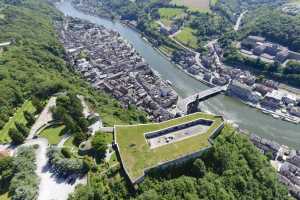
{"x": 108, "y": 137}
{"x": 53, "y": 134}
{"x": 195, "y": 5}
{"x": 4, "y": 196}
{"x": 70, "y": 144}
{"x": 187, "y": 37}
{"x": 137, "y": 155}
{"x": 213, "y": 2}
{"x": 168, "y": 15}
{"x": 18, "y": 117}
{"x": 113, "y": 159}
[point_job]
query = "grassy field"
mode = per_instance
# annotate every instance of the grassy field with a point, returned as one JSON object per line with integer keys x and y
{"x": 195, "y": 5}
{"x": 18, "y": 117}
{"x": 108, "y": 137}
{"x": 137, "y": 155}
{"x": 167, "y": 15}
{"x": 213, "y": 2}
{"x": 187, "y": 37}
{"x": 4, "y": 196}
{"x": 53, "y": 134}
{"x": 113, "y": 159}
{"x": 70, "y": 144}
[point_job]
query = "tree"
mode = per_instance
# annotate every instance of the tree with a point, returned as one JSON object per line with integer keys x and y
{"x": 24, "y": 184}
{"x": 199, "y": 168}
{"x": 37, "y": 104}
{"x": 29, "y": 118}
{"x": 99, "y": 145}
{"x": 66, "y": 152}
{"x": 2, "y": 124}
{"x": 88, "y": 164}
{"x": 269, "y": 155}
{"x": 6, "y": 172}
{"x": 79, "y": 137}
{"x": 22, "y": 129}
{"x": 16, "y": 136}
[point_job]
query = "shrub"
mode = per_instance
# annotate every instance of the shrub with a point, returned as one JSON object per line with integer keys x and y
{"x": 16, "y": 137}
{"x": 99, "y": 145}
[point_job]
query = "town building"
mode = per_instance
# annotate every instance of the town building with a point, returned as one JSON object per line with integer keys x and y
{"x": 195, "y": 69}
{"x": 272, "y": 100}
{"x": 240, "y": 90}
{"x": 268, "y": 51}
{"x": 109, "y": 63}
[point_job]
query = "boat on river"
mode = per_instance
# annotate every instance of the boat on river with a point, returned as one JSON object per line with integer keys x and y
{"x": 169, "y": 82}
{"x": 275, "y": 116}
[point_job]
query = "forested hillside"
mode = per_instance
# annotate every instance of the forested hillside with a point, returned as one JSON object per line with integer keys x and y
{"x": 231, "y": 8}
{"x": 33, "y": 65}
{"x": 275, "y": 25}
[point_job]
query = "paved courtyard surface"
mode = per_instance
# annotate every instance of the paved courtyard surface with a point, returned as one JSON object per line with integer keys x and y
{"x": 177, "y": 136}
{"x": 51, "y": 187}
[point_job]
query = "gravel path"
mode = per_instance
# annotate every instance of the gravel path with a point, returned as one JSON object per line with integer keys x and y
{"x": 63, "y": 140}
{"x": 44, "y": 118}
{"x": 86, "y": 110}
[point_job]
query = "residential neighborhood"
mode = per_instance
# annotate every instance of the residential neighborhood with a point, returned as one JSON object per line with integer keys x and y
{"x": 111, "y": 64}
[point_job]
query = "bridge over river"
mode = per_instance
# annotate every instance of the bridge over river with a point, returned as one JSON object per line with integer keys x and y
{"x": 182, "y": 104}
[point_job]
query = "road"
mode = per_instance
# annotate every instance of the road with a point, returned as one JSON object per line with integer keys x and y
{"x": 174, "y": 34}
{"x": 239, "y": 20}
{"x": 44, "y": 118}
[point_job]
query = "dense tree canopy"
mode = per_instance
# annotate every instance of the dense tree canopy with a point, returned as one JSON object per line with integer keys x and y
{"x": 99, "y": 144}
{"x": 25, "y": 182}
{"x": 209, "y": 25}
{"x": 6, "y": 172}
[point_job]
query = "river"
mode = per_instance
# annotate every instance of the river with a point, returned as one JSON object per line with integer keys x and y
{"x": 247, "y": 118}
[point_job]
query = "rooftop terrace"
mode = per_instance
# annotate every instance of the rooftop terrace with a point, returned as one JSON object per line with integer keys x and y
{"x": 137, "y": 155}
